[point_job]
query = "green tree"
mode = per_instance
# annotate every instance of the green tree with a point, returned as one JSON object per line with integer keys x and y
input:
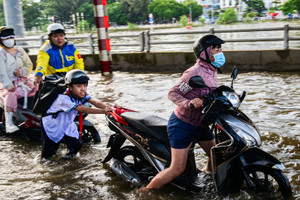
{"x": 229, "y": 16}
{"x": 62, "y": 9}
{"x": 195, "y": 8}
{"x": 115, "y": 14}
{"x": 255, "y": 6}
{"x": 290, "y": 6}
{"x": 183, "y": 20}
{"x": 32, "y": 14}
{"x": 296, "y": 5}
{"x": 111, "y": 1}
{"x": 87, "y": 8}
{"x": 2, "y": 17}
{"x": 167, "y": 9}
{"x": 136, "y": 10}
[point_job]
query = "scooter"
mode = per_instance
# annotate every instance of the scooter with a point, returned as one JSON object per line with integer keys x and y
{"x": 28, "y": 121}
{"x": 237, "y": 161}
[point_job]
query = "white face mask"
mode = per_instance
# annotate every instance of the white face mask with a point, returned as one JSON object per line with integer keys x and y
{"x": 9, "y": 43}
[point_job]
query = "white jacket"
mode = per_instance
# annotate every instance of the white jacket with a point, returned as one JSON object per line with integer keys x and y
{"x": 9, "y": 63}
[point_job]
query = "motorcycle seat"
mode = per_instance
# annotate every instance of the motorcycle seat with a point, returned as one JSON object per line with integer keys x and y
{"x": 149, "y": 124}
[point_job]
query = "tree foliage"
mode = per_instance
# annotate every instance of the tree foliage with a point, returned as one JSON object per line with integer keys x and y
{"x": 88, "y": 9}
{"x": 2, "y": 17}
{"x": 229, "y": 16}
{"x": 291, "y": 6}
{"x": 115, "y": 14}
{"x": 183, "y": 20}
{"x": 136, "y": 10}
{"x": 195, "y": 8}
{"x": 32, "y": 14}
{"x": 165, "y": 10}
{"x": 257, "y": 6}
{"x": 62, "y": 9}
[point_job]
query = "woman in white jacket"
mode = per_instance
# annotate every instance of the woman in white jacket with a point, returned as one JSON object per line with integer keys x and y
{"x": 15, "y": 67}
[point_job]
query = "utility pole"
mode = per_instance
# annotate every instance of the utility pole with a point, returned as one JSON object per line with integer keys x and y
{"x": 14, "y": 16}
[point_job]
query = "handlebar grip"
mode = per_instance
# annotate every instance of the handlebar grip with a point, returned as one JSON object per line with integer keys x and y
{"x": 192, "y": 105}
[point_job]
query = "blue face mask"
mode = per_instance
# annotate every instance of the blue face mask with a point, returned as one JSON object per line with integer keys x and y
{"x": 219, "y": 60}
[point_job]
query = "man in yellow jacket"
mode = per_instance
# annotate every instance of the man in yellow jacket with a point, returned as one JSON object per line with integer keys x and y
{"x": 57, "y": 54}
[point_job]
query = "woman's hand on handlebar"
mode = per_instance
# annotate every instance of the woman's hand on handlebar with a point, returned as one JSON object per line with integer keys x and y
{"x": 196, "y": 103}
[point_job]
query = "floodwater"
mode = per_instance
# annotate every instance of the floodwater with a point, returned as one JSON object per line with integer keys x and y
{"x": 272, "y": 103}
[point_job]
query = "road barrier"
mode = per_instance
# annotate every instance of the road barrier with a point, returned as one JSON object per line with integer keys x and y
{"x": 146, "y": 38}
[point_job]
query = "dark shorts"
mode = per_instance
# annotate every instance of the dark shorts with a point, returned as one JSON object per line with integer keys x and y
{"x": 181, "y": 134}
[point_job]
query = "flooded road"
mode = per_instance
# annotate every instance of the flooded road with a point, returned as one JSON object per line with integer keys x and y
{"x": 273, "y": 103}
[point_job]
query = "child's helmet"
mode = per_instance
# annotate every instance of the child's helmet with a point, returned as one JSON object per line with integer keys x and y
{"x": 76, "y": 76}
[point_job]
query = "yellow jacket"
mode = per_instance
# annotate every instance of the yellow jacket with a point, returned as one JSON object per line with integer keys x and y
{"x": 52, "y": 59}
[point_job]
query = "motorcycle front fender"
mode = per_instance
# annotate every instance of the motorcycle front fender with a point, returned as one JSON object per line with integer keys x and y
{"x": 115, "y": 142}
{"x": 229, "y": 176}
{"x": 255, "y": 156}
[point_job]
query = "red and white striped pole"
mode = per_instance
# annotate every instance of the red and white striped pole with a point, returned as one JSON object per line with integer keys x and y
{"x": 102, "y": 25}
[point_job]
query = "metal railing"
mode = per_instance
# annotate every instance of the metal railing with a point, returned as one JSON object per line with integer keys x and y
{"x": 145, "y": 41}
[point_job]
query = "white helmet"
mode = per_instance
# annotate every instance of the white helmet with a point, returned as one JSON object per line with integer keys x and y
{"x": 76, "y": 76}
{"x": 55, "y": 28}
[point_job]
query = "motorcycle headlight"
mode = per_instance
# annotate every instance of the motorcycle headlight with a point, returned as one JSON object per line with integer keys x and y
{"x": 232, "y": 97}
{"x": 247, "y": 133}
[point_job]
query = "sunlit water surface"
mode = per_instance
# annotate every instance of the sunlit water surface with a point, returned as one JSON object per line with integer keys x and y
{"x": 273, "y": 103}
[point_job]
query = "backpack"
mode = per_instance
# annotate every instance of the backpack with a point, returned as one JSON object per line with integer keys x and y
{"x": 47, "y": 95}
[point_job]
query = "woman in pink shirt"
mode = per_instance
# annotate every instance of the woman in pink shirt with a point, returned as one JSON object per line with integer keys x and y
{"x": 184, "y": 125}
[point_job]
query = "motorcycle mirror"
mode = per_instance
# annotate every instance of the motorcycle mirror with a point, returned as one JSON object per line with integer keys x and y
{"x": 197, "y": 82}
{"x": 234, "y": 73}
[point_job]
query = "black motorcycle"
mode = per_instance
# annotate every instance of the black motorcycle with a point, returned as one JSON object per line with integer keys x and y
{"x": 237, "y": 161}
{"x": 27, "y": 118}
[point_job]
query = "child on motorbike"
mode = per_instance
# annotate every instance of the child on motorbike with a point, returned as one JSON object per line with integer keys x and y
{"x": 15, "y": 66}
{"x": 184, "y": 125}
{"x": 57, "y": 55}
{"x": 58, "y": 125}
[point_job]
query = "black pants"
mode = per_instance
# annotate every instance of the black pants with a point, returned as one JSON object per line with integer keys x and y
{"x": 50, "y": 148}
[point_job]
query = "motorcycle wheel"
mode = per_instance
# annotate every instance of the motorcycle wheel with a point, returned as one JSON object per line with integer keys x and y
{"x": 133, "y": 159}
{"x": 34, "y": 134}
{"x": 90, "y": 133}
{"x": 268, "y": 182}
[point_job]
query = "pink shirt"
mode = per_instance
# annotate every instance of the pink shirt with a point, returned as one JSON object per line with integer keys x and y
{"x": 182, "y": 93}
